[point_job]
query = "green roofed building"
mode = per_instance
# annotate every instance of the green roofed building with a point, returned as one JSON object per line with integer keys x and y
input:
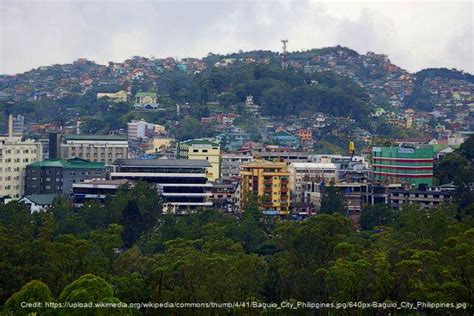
{"x": 201, "y": 149}
{"x": 57, "y": 176}
{"x": 409, "y": 164}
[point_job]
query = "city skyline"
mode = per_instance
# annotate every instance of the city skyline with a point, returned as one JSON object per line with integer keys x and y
{"x": 414, "y": 35}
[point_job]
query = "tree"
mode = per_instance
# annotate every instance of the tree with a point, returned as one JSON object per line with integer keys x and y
{"x": 90, "y": 288}
{"x": 376, "y": 215}
{"x": 33, "y": 292}
{"x": 133, "y": 223}
{"x": 332, "y": 201}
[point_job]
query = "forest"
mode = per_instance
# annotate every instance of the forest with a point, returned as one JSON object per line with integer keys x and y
{"x": 127, "y": 250}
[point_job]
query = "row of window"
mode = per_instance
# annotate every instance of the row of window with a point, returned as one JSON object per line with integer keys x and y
{"x": 17, "y": 151}
{"x": 16, "y": 160}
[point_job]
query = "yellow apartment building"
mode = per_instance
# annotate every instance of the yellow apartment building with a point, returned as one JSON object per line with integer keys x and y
{"x": 268, "y": 180}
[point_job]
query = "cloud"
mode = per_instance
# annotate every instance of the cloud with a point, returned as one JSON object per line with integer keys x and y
{"x": 415, "y": 35}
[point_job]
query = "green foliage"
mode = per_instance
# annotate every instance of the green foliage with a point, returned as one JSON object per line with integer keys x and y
{"x": 376, "y": 215}
{"x": 332, "y": 201}
{"x": 33, "y": 292}
{"x": 413, "y": 255}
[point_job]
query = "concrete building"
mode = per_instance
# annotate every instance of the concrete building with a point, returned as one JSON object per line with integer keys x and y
{"x": 97, "y": 148}
{"x": 15, "y": 154}
{"x": 95, "y": 190}
{"x": 230, "y": 165}
{"x": 288, "y": 156}
{"x": 411, "y": 164}
{"x": 305, "y": 176}
{"x": 141, "y": 129}
{"x": 183, "y": 183}
{"x": 18, "y": 124}
{"x": 58, "y": 176}
{"x": 201, "y": 149}
{"x": 119, "y": 96}
{"x": 430, "y": 198}
{"x": 267, "y": 180}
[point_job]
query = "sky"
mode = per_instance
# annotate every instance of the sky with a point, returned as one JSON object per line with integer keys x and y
{"x": 414, "y": 34}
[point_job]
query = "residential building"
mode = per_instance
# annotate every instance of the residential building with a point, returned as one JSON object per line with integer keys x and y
{"x": 223, "y": 196}
{"x": 230, "y": 165}
{"x": 285, "y": 138}
{"x": 183, "y": 183}
{"x": 119, "y": 96}
{"x": 304, "y": 134}
{"x": 141, "y": 129}
{"x": 38, "y": 202}
{"x": 58, "y": 176}
{"x": 412, "y": 164}
{"x": 267, "y": 180}
{"x": 201, "y": 149}
{"x": 146, "y": 100}
{"x": 15, "y": 154}
{"x": 98, "y": 148}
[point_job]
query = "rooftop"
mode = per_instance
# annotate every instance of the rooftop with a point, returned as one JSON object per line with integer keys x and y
{"x": 199, "y": 142}
{"x": 73, "y": 163}
{"x": 144, "y": 94}
{"x": 164, "y": 163}
{"x": 313, "y": 165}
{"x": 41, "y": 199}
{"x": 96, "y": 137}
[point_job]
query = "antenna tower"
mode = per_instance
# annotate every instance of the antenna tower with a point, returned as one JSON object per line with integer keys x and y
{"x": 284, "y": 60}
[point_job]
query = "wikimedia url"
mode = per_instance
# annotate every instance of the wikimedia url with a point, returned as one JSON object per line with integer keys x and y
{"x": 249, "y": 304}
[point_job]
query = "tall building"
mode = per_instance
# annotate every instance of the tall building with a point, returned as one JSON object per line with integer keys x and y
{"x": 267, "y": 180}
{"x": 306, "y": 176}
{"x": 412, "y": 164}
{"x": 58, "y": 176}
{"x": 183, "y": 184}
{"x": 201, "y": 149}
{"x": 15, "y": 154}
{"x": 54, "y": 145}
{"x": 97, "y": 148}
{"x": 17, "y": 124}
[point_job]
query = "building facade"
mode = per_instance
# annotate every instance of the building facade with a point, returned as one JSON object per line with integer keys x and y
{"x": 15, "y": 155}
{"x": 183, "y": 184}
{"x": 201, "y": 149}
{"x": 97, "y": 148}
{"x": 58, "y": 176}
{"x": 269, "y": 181}
{"x": 412, "y": 164}
{"x": 305, "y": 176}
{"x": 119, "y": 96}
{"x": 141, "y": 129}
{"x": 230, "y": 165}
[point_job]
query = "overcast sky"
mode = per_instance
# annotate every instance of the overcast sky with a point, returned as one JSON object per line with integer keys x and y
{"x": 415, "y": 35}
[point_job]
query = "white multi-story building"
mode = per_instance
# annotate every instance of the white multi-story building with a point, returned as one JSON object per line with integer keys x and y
{"x": 98, "y": 148}
{"x": 15, "y": 154}
{"x": 141, "y": 129}
{"x": 306, "y": 177}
